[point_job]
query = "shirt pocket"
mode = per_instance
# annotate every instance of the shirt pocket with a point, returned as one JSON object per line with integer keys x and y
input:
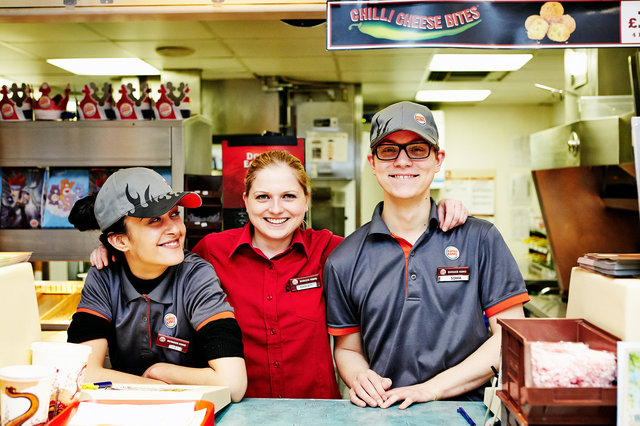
{"x": 308, "y": 304}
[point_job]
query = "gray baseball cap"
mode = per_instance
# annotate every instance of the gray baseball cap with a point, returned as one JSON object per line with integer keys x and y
{"x": 138, "y": 192}
{"x": 404, "y": 116}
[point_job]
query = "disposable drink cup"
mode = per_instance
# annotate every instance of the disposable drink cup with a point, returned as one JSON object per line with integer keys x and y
{"x": 24, "y": 394}
{"x": 70, "y": 362}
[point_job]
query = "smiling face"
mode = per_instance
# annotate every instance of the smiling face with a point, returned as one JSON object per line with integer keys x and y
{"x": 276, "y": 204}
{"x": 151, "y": 245}
{"x": 404, "y": 178}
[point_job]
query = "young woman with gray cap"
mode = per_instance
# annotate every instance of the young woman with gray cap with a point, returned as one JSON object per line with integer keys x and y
{"x": 158, "y": 311}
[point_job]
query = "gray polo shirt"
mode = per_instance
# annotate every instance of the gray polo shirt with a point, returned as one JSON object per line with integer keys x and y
{"x": 423, "y": 318}
{"x": 188, "y": 297}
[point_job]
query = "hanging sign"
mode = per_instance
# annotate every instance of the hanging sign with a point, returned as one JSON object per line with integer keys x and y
{"x": 497, "y": 24}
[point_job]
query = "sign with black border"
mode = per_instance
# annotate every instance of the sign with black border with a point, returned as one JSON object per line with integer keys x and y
{"x": 495, "y": 25}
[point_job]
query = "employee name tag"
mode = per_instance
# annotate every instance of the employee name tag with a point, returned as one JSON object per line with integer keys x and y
{"x": 460, "y": 273}
{"x": 304, "y": 283}
{"x": 172, "y": 343}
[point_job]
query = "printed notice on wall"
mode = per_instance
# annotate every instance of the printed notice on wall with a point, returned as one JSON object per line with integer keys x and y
{"x": 327, "y": 146}
{"x": 477, "y": 193}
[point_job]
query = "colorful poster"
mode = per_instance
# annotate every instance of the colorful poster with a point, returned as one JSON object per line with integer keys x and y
{"x": 62, "y": 189}
{"x": 21, "y": 197}
{"x": 503, "y": 24}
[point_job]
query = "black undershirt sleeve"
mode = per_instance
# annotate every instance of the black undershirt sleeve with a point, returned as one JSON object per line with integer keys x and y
{"x": 220, "y": 338}
{"x": 85, "y": 327}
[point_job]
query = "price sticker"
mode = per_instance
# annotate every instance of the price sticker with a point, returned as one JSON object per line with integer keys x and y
{"x": 630, "y": 22}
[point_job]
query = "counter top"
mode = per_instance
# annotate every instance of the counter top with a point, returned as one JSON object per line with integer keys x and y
{"x": 341, "y": 412}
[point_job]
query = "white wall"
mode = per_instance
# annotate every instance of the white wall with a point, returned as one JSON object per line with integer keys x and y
{"x": 480, "y": 138}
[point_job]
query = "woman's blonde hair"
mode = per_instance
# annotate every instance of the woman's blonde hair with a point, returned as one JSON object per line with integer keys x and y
{"x": 274, "y": 158}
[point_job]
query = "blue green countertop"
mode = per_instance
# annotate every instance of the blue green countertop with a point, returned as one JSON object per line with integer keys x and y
{"x": 341, "y": 412}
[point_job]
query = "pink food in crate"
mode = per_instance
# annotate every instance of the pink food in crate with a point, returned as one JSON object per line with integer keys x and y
{"x": 571, "y": 364}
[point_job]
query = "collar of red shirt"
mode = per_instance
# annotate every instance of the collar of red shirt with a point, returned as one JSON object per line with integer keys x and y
{"x": 244, "y": 238}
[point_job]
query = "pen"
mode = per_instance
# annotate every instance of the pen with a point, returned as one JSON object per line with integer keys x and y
{"x": 97, "y": 385}
{"x": 466, "y": 416}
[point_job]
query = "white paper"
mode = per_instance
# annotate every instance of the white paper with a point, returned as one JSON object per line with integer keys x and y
{"x": 328, "y": 146}
{"x": 94, "y": 414}
{"x": 478, "y": 194}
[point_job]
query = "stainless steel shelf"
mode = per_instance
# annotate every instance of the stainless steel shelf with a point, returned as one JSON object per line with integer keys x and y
{"x": 87, "y": 143}
{"x": 50, "y": 244}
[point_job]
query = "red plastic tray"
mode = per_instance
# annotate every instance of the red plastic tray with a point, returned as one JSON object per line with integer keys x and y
{"x": 64, "y": 417}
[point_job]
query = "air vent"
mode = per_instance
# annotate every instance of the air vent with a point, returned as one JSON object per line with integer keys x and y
{"x": 468, "y": 76}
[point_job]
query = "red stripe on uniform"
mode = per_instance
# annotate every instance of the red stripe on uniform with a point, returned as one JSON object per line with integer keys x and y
{"x": 89, "y": 311}
{"x": 221, "y": 315}
{"x": 343, "y": 331}
{"x": 406, "y": 248}
{"x": 506, "y": 304}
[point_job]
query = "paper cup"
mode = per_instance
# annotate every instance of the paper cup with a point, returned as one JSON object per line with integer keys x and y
{"x": 24, "y": 394}
{"x": 70, "y": 363}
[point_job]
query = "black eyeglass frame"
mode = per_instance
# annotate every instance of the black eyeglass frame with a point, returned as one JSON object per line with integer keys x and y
{"x": 405, "y": 149}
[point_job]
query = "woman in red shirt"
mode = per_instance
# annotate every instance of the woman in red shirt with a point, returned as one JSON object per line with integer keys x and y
{"x": 271, "y": 270}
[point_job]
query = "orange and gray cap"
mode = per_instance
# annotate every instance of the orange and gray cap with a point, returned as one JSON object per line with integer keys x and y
{"x": 404, "y": 116}
{"x": 138, "y": 192}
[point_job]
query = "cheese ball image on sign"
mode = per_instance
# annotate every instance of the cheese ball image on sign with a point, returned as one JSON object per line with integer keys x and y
{"x": 558, "y": 32}
{"x": 552, "y": 11}
{"x": 536, "y": 27}
{"x": 552, "y": 22}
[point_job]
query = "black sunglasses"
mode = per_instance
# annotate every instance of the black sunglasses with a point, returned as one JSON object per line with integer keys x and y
{"x": 391, "y": 151}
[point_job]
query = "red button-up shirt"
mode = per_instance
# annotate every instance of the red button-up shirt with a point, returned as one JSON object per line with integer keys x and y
{"x": 286, "y": 344}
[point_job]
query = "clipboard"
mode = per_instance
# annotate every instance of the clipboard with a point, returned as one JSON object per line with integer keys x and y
{"x": 67, "y": 414}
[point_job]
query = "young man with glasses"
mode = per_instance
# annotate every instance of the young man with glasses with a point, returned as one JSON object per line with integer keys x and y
{"x": 406, "y": 301}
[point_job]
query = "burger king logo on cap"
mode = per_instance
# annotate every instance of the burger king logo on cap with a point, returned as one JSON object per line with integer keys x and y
{"x": 452, "y": 252}
{"x": 170, "y": 320}
{"x": 420, "y": 119}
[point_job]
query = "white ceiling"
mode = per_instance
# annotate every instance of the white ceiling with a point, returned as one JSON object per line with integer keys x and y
{"x": 249, "y": 49}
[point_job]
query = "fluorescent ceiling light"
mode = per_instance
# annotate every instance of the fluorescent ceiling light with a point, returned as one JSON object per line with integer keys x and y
{"x": 105, "y": 66}
{"x": 478, "y": 62}
{"x": 452, "y": 95}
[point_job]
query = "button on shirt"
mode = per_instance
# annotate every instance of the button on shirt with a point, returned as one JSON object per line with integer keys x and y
{"x": 414, "y": 326}
{"x": 285, "y": 338}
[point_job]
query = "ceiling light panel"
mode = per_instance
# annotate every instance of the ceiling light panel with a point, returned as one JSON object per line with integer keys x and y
{"x": 479, "y": 62}
{"x": 105, "y": 66}
{"x": 452, "y": 95}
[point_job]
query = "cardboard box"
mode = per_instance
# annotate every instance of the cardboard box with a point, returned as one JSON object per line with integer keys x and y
{"x": 617, "y": 313}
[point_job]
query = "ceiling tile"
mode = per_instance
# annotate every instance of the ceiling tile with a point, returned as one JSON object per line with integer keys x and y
{"x": 265, "y": 30}
{"x": 226, "y": 65}
{"x": 46, "y": 32}
{"x": 286, "y": 66}
{"x": 277, "y": 48}
{"x": 49, "y": 50}
{"x": 202, "y": 48}
{"x": 152, "y": 30}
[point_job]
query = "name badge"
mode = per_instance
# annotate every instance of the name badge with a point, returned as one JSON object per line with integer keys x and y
{"x": 304, "y": 283}
{"x": 460, "y": 273}
{"x": 172, "y": 343}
